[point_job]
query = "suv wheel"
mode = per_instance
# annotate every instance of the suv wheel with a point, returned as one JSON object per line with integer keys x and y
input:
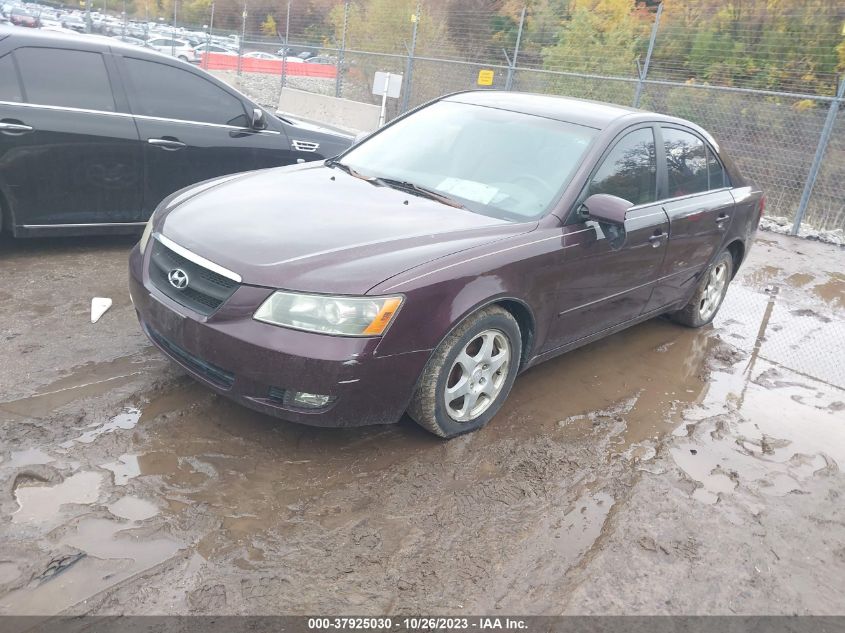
{"x": 469, "y": 375}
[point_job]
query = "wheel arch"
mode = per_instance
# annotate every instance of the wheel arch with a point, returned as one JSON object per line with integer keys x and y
{"x": 737, "y": 250}
{"x": 517, "y": 308}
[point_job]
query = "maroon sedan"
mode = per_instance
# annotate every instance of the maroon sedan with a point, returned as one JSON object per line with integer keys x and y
{"x": 428, "y": 265}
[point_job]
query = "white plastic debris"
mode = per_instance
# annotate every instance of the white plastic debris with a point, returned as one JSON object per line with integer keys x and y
{"x": 99, "y": 305}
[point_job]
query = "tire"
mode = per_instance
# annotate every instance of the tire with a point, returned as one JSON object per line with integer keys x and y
{"x": 707, "y": 299}
{"x": 183, "y": 58}
{"x": 489, "y": 376}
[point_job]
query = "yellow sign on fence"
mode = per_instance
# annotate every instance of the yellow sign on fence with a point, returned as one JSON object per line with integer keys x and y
{"x": 485, "y": 77}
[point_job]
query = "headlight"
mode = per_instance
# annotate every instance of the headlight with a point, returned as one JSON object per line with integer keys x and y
{"x": 145, "y": 236}
{"x": 347, "y": 316}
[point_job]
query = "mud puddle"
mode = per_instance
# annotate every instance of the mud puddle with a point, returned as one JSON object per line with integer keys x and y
{"x": 84, "y": 381}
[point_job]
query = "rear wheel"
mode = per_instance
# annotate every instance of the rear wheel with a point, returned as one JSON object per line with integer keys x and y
{"x": 708, "y": 297}
{"x": 469, "y": 375}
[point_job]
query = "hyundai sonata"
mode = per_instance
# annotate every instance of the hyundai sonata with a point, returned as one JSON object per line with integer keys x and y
{"x": 424, "y": 268}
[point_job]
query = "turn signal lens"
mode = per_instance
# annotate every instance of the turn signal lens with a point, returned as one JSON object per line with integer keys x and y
{"x": 343, "y": 316}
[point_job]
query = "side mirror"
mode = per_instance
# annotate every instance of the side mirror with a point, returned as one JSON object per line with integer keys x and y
{"x": 360, "y": 136}
{"x": 603, "y": 207}
{"x": 258, "y": 121}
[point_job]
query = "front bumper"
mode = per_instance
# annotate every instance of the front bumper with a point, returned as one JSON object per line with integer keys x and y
{"x": 251, "y": 362}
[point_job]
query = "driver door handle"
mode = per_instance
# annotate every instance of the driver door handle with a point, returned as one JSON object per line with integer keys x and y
{"x": 14, "y": 128}
{"x": 170, "y": 144}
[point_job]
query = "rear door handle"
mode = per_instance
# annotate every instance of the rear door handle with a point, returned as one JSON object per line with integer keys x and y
{"x": 14, "y": 128}
{"x": 720, "y": 221}
{"x": 657, "y": 239}
{"x": 170, "y": 144}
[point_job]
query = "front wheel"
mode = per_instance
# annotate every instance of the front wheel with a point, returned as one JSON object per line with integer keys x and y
{"x": 709, "y": 294}
{"x": 469, "y": 375}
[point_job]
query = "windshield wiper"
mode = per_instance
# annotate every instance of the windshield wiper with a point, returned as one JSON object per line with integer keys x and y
{"x": 420, "y": 191}
{"x": 335, "y": 163}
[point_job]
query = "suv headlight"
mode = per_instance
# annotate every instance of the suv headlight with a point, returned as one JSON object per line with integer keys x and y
{"x": 345, "y": 316}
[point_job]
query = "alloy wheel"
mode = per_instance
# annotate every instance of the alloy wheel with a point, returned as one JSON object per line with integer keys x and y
{"x": 712, "y": 296}
{"x": 477, "y": 375}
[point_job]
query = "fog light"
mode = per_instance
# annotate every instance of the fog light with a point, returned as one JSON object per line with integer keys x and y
{"x": 307, "y": 400}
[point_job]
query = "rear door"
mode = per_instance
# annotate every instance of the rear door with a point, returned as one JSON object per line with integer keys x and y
{"x": 193, "y": 129}
{"x": 699, "y": 204}
{"x": 68, "y": 154}
{"x": 608, "y": 273}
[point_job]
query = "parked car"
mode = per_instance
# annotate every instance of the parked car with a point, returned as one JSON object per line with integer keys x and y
{"x": 262, "y": 55}
{"x": 322, "y": 59}
{"x": 127, "y": 39}
{"x": 180, "y": 49}
{"x": 428, "y": 265}
{"x": 74, "y": 23}
{"x": 215, "y": 48}
{"x": 100, "y": 132}
{"x": 21, "y": 17}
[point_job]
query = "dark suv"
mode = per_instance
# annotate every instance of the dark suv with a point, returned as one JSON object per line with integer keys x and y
{"x": 94, "y": 134}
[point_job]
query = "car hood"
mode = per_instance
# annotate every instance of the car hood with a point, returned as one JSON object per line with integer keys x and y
{"x": 313, "y": 228}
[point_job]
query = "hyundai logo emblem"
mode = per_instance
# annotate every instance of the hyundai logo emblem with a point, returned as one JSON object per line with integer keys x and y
{"x": 178, "y": 278}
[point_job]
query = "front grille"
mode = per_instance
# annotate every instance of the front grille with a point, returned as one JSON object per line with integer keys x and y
{"x": 205, "y": 291}
{"x": 213, "y": 373}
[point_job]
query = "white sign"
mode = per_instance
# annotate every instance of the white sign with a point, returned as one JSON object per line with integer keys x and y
{"x": 387, "y": 81}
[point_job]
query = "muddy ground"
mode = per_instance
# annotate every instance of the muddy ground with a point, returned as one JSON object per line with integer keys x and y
{"x": 662, "y": 470}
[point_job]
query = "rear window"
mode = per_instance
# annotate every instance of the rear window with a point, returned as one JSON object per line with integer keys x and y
{"x": 68, "y": 78}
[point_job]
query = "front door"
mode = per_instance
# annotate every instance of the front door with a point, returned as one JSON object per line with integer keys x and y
{"x": 193, "y": 129}
{"x": 608, "y": 271}
{"x": 67, "y": 155}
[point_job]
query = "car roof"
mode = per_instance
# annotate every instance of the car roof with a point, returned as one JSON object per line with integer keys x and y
{"x": 95, "y": 43}
{"x": 594, "y": 114}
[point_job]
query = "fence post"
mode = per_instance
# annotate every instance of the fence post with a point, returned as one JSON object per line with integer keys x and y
{"x": 644, "y": 71}
{"x": 286, "y": 50}
{"x": 409, "y": 66}
{"x": 512, "y": 64}
{"x": 208, "y": 38}
{"x": 824, "y": 139}
{"x": 241, "y": 41}
{"x": 338, "y": 86}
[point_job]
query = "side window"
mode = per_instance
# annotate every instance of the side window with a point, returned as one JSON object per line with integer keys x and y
{"x": 172, "y": 93}
{"x": 718, "y": 177}
{"x": 686, "y": 162}
{"x": 10, "y": 89}
{"x": 630, "y": 170}
{"x": 61, "y": 77}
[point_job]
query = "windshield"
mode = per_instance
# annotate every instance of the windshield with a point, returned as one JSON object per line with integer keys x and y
{"x": 495, "y": 162}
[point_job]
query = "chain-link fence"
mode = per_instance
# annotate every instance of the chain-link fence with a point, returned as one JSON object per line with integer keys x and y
{"x": 762, "y": 78}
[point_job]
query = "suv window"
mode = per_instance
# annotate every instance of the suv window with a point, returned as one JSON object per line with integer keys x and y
{"x": 172, "y": 93}
{"x": 62, "y": 77}
{"x": 10, "y": 89}
{"x": 686, "y": 163}
{"x": 715, "y": 171}
{"x": 630, "y": 170}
